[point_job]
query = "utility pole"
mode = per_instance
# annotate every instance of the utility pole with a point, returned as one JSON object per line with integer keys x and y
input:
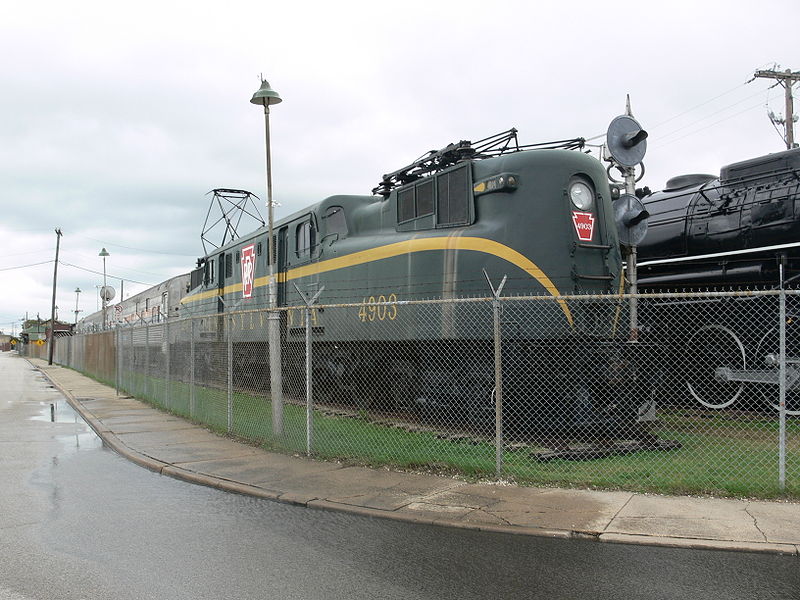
{"x": 53, "y": 304}
{"x": 787, "y": 79}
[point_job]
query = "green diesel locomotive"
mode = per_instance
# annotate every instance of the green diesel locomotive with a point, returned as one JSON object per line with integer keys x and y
{"x": 541, "y": 216}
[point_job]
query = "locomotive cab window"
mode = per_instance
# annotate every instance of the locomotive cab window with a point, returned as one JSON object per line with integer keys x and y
{"x": 228, "y": 265}
{"x": 209, "y": 274}
{"x": 305, "y": 239}
{"x": 335, "y": 223}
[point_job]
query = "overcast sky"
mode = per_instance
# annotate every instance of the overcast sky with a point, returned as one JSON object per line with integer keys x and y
{"x": 117, "y": 119}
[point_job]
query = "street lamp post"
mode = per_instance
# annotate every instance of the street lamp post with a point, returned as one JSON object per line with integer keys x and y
{"x": 265, "y": 96}
{"x": 77, "y": 296}
{"x": 103, "y": 290}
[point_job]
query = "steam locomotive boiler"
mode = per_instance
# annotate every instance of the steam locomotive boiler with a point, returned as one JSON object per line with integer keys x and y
{"x": 709, "y": 231}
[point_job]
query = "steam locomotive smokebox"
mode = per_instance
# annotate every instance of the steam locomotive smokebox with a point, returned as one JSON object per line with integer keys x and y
{"x": 763, "y": 166}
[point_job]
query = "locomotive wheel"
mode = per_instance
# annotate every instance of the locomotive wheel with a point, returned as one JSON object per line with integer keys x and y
{"x": 402, "y": 382}
{"x": 708, "y": 348}
{"x": 770, "y": 344}
{"x": 327, "y": 390}
{"x": 404, "y": 388}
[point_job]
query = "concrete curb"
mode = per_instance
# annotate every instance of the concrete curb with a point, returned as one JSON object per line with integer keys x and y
{"x": 113, "y": 441}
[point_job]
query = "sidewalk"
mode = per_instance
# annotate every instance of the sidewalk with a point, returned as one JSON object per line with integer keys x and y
{"x": 178, "y": 448}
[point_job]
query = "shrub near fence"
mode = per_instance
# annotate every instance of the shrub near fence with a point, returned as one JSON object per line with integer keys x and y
{"x": 486, "y": 390}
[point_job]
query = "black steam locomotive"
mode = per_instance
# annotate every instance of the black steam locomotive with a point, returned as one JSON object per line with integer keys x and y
{"x": 736, "y": 231}
{"x": 708, "y": 231}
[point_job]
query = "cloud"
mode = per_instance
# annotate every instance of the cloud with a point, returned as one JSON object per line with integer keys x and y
{"x": 118, "y": 119}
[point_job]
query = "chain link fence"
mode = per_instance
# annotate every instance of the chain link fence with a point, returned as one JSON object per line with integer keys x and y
{"x": 539, "y": 390}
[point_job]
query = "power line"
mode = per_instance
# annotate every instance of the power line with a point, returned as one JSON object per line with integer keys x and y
{"x": 100, "y": 273}
{"x": 707, "y": 126}
{"x": 28, "y": 252}
{"x": 665, "y": 135}
{"x": 139, "y": 271}
{"x": 115, "y": 245}
{"x": 688, "y": 110}
{"x": 44, "y": 262}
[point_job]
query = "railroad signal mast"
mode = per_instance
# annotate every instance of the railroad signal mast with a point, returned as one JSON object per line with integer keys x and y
{"x": 626, "y": 144}
{"x": 787, "y": 79}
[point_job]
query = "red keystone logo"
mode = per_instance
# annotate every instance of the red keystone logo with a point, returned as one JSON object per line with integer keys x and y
{"x": 584, "y": 225}
{"x": 248, "y": 269}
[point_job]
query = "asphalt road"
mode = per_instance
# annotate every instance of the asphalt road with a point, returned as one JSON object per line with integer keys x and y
{"x": 77, "y": 521}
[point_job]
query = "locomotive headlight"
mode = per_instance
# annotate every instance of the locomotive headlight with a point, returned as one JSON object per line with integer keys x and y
{"x": 581, "y": 195}
{"x": 505, "y": 182}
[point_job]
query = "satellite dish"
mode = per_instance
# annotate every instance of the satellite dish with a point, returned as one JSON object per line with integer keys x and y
{"x": 107, "y": 293}
{"x": 630, "y": 215}
{"x": 626, "y": 141}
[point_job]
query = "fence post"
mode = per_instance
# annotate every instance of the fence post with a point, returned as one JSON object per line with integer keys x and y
{"x": 498, "y": 374}
{"x": 191, "y": 368}
{"x": 309, "y": 369}
{"x": 117, "y": 355}
{"x": 229, "y": 338}
{"x": 146, "y": 360}
{"x": 132, "y": 363}
{"x": 167, "y": 345}
{"x": 782, "y": 386}
{"x": 275, "y": 365}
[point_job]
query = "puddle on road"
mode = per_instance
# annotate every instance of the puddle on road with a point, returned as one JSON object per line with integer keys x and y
{"x": 79, "y": 436}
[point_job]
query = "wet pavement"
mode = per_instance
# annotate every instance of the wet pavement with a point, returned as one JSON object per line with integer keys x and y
{"x": 174, "y": 447}
{"x": 80, "y": 521}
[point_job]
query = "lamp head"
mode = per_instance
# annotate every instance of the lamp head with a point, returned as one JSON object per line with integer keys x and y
{"x": 265, "y": 95}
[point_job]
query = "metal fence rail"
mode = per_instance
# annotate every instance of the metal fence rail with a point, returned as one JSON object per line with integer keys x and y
{"x": 540, "y": 390}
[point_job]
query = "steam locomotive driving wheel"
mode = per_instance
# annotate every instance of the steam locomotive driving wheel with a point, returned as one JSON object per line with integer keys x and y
{"x": 768, "y": 354}
{"x": 708, "y": 349}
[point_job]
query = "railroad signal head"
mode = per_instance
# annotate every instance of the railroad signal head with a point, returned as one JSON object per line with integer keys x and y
{"x": 626, "y": 141}
{"x": 630, "y": 215}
